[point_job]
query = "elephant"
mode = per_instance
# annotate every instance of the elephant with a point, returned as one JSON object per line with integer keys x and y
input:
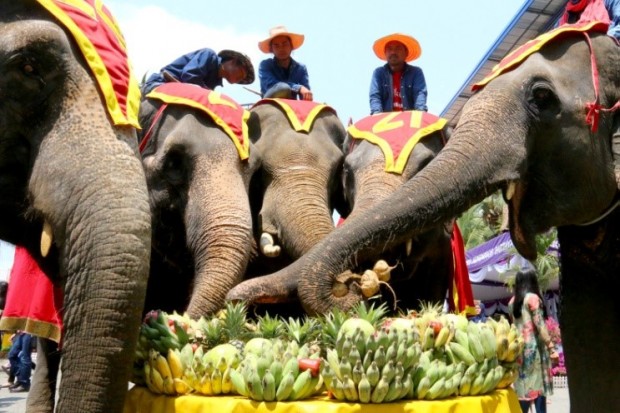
{"x": 74, "y": 195}
{"x": 294, "y": 192}
{"x": 543, "y": 130}
{"x": 423, "y": 264}
{"x": 198, "y": 182}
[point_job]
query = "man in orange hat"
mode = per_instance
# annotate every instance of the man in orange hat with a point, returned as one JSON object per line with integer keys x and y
{"x": 282, "y": 76}
{"x": 397, "y": 85}
{"x": 204, "y": 68}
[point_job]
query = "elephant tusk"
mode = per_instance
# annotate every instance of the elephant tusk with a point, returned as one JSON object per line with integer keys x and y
{"x": 267, "y": 246}
{"x": 511, "y": 190}
{"x": 408, "y": 247}
{"x": 46, "y": 239}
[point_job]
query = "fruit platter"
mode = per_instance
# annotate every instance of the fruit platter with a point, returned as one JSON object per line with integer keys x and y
{"x": 359, "y": 360}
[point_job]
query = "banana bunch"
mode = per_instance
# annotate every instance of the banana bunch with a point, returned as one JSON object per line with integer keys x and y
{"x": 436, "y": 335}
{"x": 271, "y": 377}
{"x": 161, "y": 332}
{"x": 164, "y": 375}
{"x": 372, "y": 368}
{"x": 210, "y": 373}
{"x": 509, "y": 340}
{"x": 437, "y": 376}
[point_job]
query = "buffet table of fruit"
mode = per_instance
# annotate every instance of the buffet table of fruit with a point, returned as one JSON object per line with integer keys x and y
{"x": 423, "y": 362}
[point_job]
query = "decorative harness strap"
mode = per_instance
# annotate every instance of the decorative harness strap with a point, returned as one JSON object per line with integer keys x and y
{"x": 149, "y": 133}
{"x": 594, "y": 108}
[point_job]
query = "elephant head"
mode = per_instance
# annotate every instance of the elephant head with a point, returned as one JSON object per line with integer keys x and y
{"x": 378, "y": 162}
{"x": 66, "y": 168}
{"x": 296, "y": 187}
{"x": 530, "y": 132}
{"x": 198, "y": 177}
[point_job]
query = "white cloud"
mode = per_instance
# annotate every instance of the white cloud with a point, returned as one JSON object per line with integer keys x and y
{"x": 155, "y": 38}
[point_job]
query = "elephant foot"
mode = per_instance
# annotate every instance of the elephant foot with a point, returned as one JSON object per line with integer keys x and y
{"x": 268, "y": 289}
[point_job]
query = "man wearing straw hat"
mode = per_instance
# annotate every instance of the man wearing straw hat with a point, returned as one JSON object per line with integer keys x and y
{"x": 282, "y": 76}
{"x": 397, "y": 85}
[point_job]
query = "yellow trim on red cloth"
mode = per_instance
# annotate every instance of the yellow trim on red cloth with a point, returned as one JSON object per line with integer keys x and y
{"x": 141, "y": 400}
{"x": 225, "y": 112}
{"x": 396, "y": 133}
{"x": 516, "y": 57}
{"x": 100, "y": 40}
{"x": 301, "y": 113}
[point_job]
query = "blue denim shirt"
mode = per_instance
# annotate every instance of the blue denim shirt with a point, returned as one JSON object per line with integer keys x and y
{"x": 200, "y": 67}
{"x": 613, "y": 9}
{"x": 270, "y": 73}
{"x": 412, "y": 89}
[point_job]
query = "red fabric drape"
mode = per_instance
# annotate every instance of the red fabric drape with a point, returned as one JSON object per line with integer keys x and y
{"x": 594, "y": 10}
{"x": 461, "y": 297}
{"x": 33, "y": 303}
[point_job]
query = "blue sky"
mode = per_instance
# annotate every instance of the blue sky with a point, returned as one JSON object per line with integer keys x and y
{"x": 454, "y": 36}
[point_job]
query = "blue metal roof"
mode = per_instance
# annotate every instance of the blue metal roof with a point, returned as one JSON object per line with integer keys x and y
{"x": 534, "y": 18}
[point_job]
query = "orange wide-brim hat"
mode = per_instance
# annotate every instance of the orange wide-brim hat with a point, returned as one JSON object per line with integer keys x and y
{"x": 296, "y": 39}
{"x": 413, "y": 47}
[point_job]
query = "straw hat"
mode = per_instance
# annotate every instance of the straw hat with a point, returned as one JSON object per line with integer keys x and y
{"x": 296, "y": 39}
{"x": 412, "y": 45}
{"x": 243, "y": 60}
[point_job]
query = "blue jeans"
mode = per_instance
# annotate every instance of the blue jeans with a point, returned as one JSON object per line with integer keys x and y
{"x": 280, "y": 90}
{"x": 540, "y": 404}
{"x": 20, "y": 358}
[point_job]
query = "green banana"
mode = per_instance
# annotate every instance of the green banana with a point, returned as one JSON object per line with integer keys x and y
{"x": 364, "y": 389}
{"x": 269, "y": 387}
{"x": 380, "y": 391}
{"x": 300, "y": 384}
{"x": 285, "y": 387}
{"x": 238, "y": 383}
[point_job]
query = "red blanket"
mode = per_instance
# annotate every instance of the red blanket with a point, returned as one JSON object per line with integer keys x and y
{"x": 33, "y": 304}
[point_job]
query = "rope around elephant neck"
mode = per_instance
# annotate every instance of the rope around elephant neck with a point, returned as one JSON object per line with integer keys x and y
{"x": 601, "y": 217}
{"x": 149, "y": 133}
{"x": 594, "y": 108}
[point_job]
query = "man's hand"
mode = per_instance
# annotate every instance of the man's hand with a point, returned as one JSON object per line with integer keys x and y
{"x": 305, "y": 93}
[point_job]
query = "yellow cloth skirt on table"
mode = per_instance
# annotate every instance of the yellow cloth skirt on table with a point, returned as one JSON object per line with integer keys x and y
{"x": 141, "y": 400}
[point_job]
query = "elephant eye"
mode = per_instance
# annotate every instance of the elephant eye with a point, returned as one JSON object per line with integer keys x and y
{"x": 543, "y": 98}
{"x": 28, "y": 68}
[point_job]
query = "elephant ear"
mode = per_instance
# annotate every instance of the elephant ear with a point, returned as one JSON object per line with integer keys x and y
{"x": 615, "y": 148}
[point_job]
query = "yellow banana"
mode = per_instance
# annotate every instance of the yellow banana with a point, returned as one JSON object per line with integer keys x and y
{"x": 175, "y": 364}
{"x": 216, "y": 382}
{"x": 205, "y": 385}
{"x": 169, "y": 386}
{"x": 147, "y": 377}
{"x": 227, "y": 385}
{"x": 181, "y": 386}
{"x": 465, "y": 385}
{"x": 442, "y": 337}
{"x": 157, "y": 381}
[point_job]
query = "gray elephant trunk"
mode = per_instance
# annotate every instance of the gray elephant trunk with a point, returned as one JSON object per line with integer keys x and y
{"x": 472, "y": 165}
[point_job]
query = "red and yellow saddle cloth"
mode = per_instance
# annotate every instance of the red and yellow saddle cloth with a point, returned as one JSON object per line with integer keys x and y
{"x": 301, "y": 113}
{"x": 396, "y": 133}
{"x": 100, "y": 40}
{"x": 515, "y": 58}
{"x": 225, "y": 112}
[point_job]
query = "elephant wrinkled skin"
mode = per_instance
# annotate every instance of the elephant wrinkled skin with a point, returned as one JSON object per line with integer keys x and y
{"x": 62, "y": 162}
{"x": 526, "y": 133}
{"x": 202, "y": 223}
{"x": 293, "y": 195}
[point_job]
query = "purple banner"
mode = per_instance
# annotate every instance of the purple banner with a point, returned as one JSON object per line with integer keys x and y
{"x": 491, "y": 252}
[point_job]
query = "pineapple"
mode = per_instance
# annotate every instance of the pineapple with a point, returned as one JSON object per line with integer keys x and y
{"x": 212, "y": 333}
{"x": 303, "y": 331}
{"x": 330, "y": 326}
{"x": 368, "y": 312}
{"x": 234, "y": 322}
{"x": 269, "y": 327}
